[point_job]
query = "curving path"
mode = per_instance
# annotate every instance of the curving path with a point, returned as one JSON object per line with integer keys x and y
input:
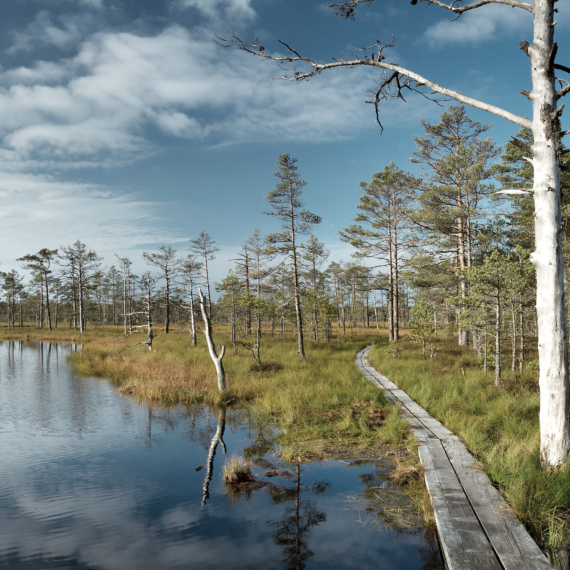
{"x": 477, "y": 528}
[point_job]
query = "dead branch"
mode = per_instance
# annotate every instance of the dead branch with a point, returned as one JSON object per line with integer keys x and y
{"x": 564, "y": 89}
{"x": 391, "y": 85}
{"x": 522, "y": 145}
{"x": 346, "y": 9}
{"x": 561, "y": 67}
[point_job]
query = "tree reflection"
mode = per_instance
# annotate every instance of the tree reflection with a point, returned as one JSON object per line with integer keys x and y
{"x": 292, "y": 531}
{"x": 216, "y": 440}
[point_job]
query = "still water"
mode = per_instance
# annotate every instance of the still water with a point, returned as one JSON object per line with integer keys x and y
{"x": 90, "y": 478}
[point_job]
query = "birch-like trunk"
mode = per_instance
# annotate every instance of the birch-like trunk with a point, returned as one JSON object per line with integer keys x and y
{"x": 547, "y": 259}
{"x": 396, "y": 286}
{"x": 192, "y": 322}
{"x": 376, "y": 310}
{"x": 211, "y": 346}
{"x": 125, "y": 298}
{"x": 47, "y": 300}
{"x": 167, "y": 305}
{"x": 390, "y": 293}
{"x": 81, "y": 307}
{"x": 149, "y": 331}
{"x": 513, "y": 338}
{"x": 497, "y": 337}
{"x": 298, "y": 314}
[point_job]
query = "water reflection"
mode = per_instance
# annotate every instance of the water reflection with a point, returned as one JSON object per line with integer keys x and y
{"x": 293, "y": 529}
{"x": 92, "y": 479}
{"x": 216, "y": 440}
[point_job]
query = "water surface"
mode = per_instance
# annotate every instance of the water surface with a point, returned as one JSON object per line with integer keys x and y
{"x": 90, "y": 478}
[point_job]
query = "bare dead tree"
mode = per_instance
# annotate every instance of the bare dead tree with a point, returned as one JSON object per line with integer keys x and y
{"x": 211, "y": 346}
{"x": 126, "y": 264}
{"x": 148, "y": 282}
{"x": 396, "y": 81}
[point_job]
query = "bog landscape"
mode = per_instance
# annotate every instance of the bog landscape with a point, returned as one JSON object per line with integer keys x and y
{"x": 213, "y": 353}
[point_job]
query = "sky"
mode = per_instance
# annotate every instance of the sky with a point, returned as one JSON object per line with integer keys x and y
{"x": 125, "y": 125}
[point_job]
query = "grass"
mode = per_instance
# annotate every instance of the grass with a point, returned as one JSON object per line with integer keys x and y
{"x": 237, "y": 470}
{"x": 499, "y": 425}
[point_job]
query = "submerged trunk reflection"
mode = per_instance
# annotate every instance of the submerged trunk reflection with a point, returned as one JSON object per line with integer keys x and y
{"x": 292, "y": 531}
{"x": 216, "y": 440}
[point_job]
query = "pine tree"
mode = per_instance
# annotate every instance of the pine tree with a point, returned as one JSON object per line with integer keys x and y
{"x": 287, "y": 206}
{"x": 385, "y": 208}
{"x": 452, "y": 196}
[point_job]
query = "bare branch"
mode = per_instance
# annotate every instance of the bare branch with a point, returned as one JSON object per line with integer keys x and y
{"x": 514, "y": 192}
{"x": 346, "y": 9}
{"x": 388, "y": 81}
{"x": 522, "y": 145}
{"x": 561, "y": 67}
{"x": 460, "y": 9}
{"x": 564, "y": 89}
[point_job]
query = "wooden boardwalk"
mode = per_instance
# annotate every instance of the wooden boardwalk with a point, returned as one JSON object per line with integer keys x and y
{"x": 477, "y": 528}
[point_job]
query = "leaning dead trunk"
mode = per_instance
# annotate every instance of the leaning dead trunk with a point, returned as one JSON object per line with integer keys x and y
{"x": 217, "y": 439}
{"x": 211, "y": 347}
{"x": 547, "y": 258}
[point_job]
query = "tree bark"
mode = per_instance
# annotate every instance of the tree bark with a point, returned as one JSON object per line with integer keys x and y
{"x": 547, "y": 258}
{"x": 497, "y": 337}
{"x": 211, "y": 347}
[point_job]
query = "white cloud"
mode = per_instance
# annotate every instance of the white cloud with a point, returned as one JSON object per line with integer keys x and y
{"x": 51, "y": 211}
{"x": 101, "y": 101}
{"x": 221, "y": 9}
{"x": 482, "y": 24}
{"x": 97, "y": 107}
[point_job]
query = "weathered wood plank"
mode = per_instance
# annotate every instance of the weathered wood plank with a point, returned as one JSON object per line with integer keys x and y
{"x": 464, "y": 544}
{"x": 477, "y": 528}
{"x": 511, "y": 541}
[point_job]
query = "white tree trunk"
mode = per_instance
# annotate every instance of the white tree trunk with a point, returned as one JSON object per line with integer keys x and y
{"x": 547, "y": 259}
{"x": 211, "y": 347}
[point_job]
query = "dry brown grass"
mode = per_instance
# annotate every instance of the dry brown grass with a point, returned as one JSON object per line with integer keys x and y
{"x": 237, "y": 470}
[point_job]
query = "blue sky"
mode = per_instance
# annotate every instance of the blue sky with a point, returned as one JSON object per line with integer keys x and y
{"x": 124, "y": 125}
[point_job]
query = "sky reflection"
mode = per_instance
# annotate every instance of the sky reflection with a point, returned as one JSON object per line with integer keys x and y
{"x": 93, "y": 479}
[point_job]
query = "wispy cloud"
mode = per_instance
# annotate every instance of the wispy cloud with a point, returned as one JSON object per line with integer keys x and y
{"x": 221, "y": 9}
{"x": 101, "y": 101}
{"x": 482, "y": 24}
{"x": 51, "y": 211}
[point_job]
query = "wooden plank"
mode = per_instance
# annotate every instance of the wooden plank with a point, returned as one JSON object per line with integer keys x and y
{"x": 464, "y": 545}
{"x": 514, "y": 546}
{"x": 476, "y": 526}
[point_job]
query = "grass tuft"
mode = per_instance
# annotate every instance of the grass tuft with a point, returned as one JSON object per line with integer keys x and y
{"x": 237, "y": 470}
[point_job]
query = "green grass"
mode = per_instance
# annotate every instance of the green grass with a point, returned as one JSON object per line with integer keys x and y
{"x": 499, "y": 425}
